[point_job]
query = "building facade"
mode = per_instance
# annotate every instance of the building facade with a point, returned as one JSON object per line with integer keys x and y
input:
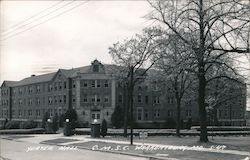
{"x": 94, "y": 93}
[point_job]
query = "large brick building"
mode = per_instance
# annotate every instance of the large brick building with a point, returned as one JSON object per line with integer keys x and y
{"x": 94, "y": 93}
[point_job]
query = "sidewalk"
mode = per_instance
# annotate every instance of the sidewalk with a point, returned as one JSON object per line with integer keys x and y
{"x": 154, "y": 147}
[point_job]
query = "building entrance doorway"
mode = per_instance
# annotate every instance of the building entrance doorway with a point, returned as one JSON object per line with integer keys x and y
{"x": 95, "y": 115}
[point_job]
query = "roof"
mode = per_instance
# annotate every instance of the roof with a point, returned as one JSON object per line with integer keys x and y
{"x": 8, "y": 83}
{"x": 35, "y": 79}
{"x": 109, "y": 69}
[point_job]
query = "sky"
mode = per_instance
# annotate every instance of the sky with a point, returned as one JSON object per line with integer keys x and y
{"x": 38, "y": 37}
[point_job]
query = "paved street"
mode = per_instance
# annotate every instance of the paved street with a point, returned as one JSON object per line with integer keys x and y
{"x": 17, "y": 150}
{"x": 55, "y": 145}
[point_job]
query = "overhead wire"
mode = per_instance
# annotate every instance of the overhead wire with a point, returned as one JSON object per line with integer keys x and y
{"x": 38, "y": 18}
{"x": 37, "y": 14}
{"x": 17, "y": 33}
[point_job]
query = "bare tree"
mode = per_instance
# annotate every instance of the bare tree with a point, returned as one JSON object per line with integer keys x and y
{"x": 220, "y": 91}
{"x": 174, "y": 62}
{"x": 136, "y": 57}
{"x": 212, "y": 29}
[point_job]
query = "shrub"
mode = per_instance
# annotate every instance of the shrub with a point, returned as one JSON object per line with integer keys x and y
{"x": 12, "y": 125}
{"x": 55, "y": 122}
{"x": 170, "y": 123}
{"x": 104, "y": 128}
{"x": 72, "y": 116}
{"x": 45, "y": 118}
{"x": 28, "y": 124}
{"x": 189, "y": 124}
{"x": 61, "y": 120}
{"x": 5, "y": 122}
{"x": 117, "y": 117}
{"x": 67, "y": 131}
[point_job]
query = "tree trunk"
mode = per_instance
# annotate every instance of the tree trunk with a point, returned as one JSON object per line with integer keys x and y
{"x": 178, "y": 117}
{"x": 125, "y": 105}
{"x": 202, "y": 109}
{"x": 131, "y": 90}
{"x": 215, "y": 118}
{"x": 201, "y": 76}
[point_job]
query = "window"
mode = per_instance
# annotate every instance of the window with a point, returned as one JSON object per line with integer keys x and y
{"x": 146, "y": 114}
{"x": 170, "y": 100}
{"x": 30, "y": 101}
{"x": 50, "y": 112}
{"x": 38, "y": 113}
{"x": 55, "y": 86}
{"x": 55, "y": 99}
{"x": 30, "y": 90}
{"x": 139, "y": 98}
{"x": 65, "y": 84}
{"x": 60, "y": 99}
{"x": 85, "y": 84}
{"x": 157, "y": 113}
{"x": 106, "y": 99}
{"x": 74, "y": 84}
{"x": 189, "y": 113}
{"x": 85, "y": 98}
{"x": 170, "y": 113}
{"x": 50, "y": 100}
{"x": 139, "y": 88}
{"x": 37, "y": 89}
{"x": 64, "y": 99}
{"x": 241, "y": 113}
{"x": 146, "y": 99}
{"x": 30, "y": 112}
{"x": 139, "y": 114}
{"x": 106, "y": 84}
{"x": 20, "y": 91}
{"x": 60, "y": 85}
{"x": 98, "y": 116}
{"x": 93, "y": 99}
{"x": 20, "y": 102}
{"x": 50, "y": 88}
{"x": 93, "y": 83}
{"x": 38, "y": 101}
{"x": 98, "y": 83}
{"x": 156, "y": 99}
{"x": 98, "y": 98}
{"x": 107, "y": 113}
